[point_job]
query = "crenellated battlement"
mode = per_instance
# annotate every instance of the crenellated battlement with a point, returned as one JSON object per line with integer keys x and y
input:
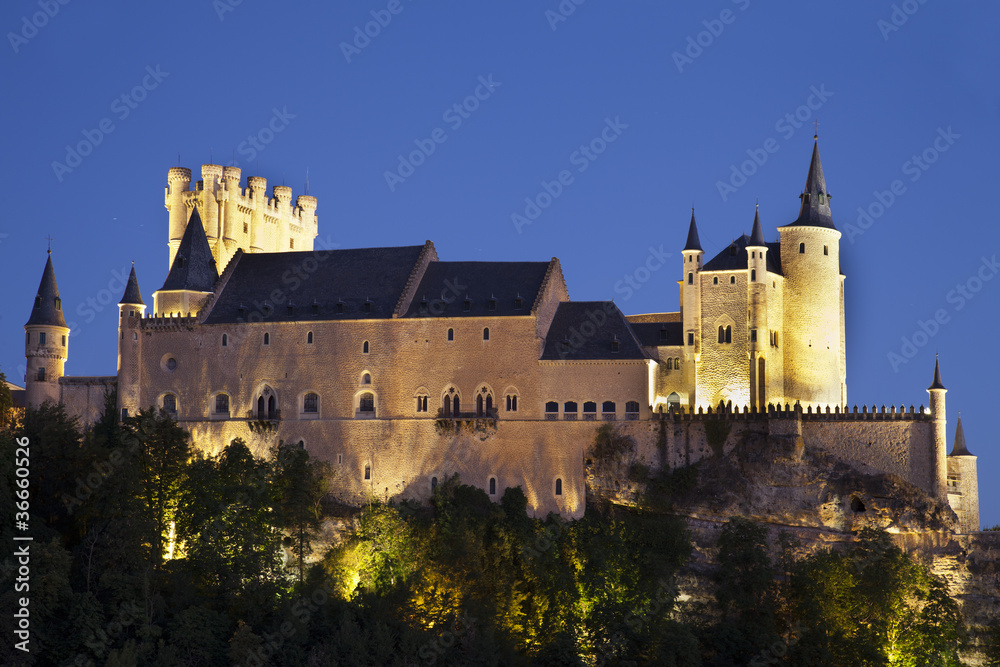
{"x": 787, "y": 411}
{"x": 235, "y": 217}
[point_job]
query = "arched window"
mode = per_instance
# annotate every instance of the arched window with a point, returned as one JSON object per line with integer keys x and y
{"x": 225, "y": 340}
{"x": 690, "y": 279}
{"x": 729, "y": 334}
{"x": 670, "y": 363}
{"x": 589, "y": 411}
{"x": 364, "y": 348}
{"x": 451, "y": 334}
{"x": 558, "y": 486}
{"x": 368, "y": 472}
{"x": 366, "y": 403}
{"x": 310, "y": 403}
{"x": 802, "y": 248}
{"x": 267, "y": 339}
{"x": 486, "y": 333}
{"x": 272, "y": 408}
{"x": 608, "y": 409}
{"x": 677, "y": 363}
{"x": 722, "y": 335}
{"x": 511, "y": 402}
{"x": 456, "y": 405}
{"x": 309, "y": 338}
{"x": 434, "y": 483}
{"x": 366, "y": 378}
{"x": 493, "y": 486}
{"x": 551, "y": 410}
{"x": 170, "y": 403}
{"x": 261, "y": 412}
{"x": 632, "y": 410}
{"x": 479, "y": 405}
{"x": 715, "y": 280}
{"x": 732, "y": 280}
{"x": 753, "y": 275}
{"x": 221, "y": 404}
{"x": 570, "y": 410}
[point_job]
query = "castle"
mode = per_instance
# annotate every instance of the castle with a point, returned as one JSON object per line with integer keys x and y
{"x": 401, "y": 369}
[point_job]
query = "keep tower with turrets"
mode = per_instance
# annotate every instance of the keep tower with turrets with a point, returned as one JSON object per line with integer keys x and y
{"x": 235, "y": 218}
{"x": 692, "y": 256}
{"x": 46, "y": 341}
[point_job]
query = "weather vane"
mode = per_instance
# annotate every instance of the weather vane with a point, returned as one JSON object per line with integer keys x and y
{"x": 49, "y": 238}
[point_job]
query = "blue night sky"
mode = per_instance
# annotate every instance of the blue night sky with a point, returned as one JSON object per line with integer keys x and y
{"x": 900, "y": 96}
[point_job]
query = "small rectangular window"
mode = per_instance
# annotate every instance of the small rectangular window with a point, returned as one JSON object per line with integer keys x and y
{"x": 753, "y": 335}
{"x": 41, "y": 338}
{"x": 690, "y": 339}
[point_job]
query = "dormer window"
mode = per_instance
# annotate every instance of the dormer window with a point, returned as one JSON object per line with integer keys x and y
{"x": 58, "y": 303}
{"x": 733, "y": 250}
{"x": 491, "y": 304}
{"x": 290, "y": 309}
{"x": 663, "y": 334}
{"x": 518, "y": 303}
{"x": 423, "y": 306}
{"x": 368, "y": 306}
{"x": 339, "y": 308}
{"x": 315, "y": 308}
{"x": 242, "y": 310}
{"x": 467, "y": 305}
{"x": 615, "y": 345}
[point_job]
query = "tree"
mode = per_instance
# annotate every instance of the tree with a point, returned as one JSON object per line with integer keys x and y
{"x": 6, "y": 403}
{"x": 299, "y": 486}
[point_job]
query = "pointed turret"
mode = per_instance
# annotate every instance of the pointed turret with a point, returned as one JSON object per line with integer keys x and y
{"x": 815, "y": 209}
{"x": 132, "y": 295}
{"x": 959, "y": 449}
{"x": 47, "y": 310}
{"x": 194, "y": 267}
{"x": 757, "y": 234}
{"x": 693, "y": 242}
{"x": 937, "y": 376}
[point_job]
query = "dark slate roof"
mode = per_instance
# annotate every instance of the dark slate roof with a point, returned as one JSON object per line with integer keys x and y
{"x": 693, "y": 242}
{"x": 352, "y": 277}
{"x": 734, "y": 257}
{"x": 937, "y": 376}
{"x": 960, "y": 449}
{"x": 446, "y": 286}
{"x": 132, "y": 294}
{"x": 757, "y": 234}
{"x": 568, "y": 339}
{"x": 815, "y": 209}
{"x": 48, "y": 306}
{"x": 652, "y": 334}
{"x": 194, "y": 267}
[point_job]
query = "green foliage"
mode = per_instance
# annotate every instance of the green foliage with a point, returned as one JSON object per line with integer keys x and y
{"x": 610, "y": 444}
{"x": 6, "y": 403}
{"x": 299, "y": 483}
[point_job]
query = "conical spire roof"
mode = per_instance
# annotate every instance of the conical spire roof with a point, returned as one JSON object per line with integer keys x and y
{"x": 959, "y": 448}
{"x": 693, "y": 242}
{"x": 48, "y": 306}
{"x": 937, "y": 376}
{"x": 815, "y": 209}
{"x": 757, "y": 234}
{"x": 194, "y": 267}
{"x": 132, "y": 295}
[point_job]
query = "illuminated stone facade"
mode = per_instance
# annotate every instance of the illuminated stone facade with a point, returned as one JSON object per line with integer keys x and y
{"x": 402, "y": 369}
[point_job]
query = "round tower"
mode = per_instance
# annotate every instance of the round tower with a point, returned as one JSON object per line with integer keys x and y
{"x": 939, "y": 437}
{"x": 757, "y": 283}
{"x": 178, "y": 182}
{"x": 257, "y": 191}
{"x": 692, "y": 257}
{"x": 46, "y": 342}
{"x": 130, "y": 311}
{"x": 211, "y": 177}
{"x": 963, "y": 482}
{"x": 813, "y": 323}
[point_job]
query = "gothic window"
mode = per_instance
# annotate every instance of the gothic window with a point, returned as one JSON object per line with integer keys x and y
{"x": 272, "y": 407}
{"x": 225, "y": 340}
{"x": 368, "y": 472}
{"x": 170, "y": 403}
{"x": 670, "y": 364}
{"x": 367, "y": 402}
{"x": 729, "y": 334}
{"x": 364, "y": 348}
{"x": 493, "y": 486}
{"x": 309, "y": 338}
{"x": 511, "y": 402}
{"x": 753, "y": 275}
{"x": 558, "y": 486}
{"x": 456, "y": 405}
{"x": 221, "y": 404}
{"x": 421, "y": 403}
{"x": 267, "y": 339}
{"x": 434, "y": 483}
{"x": 310, "y": 403}
{"x": 451, "y": 334}
{"x": 722, "y": 335}
{"x": 261, "y": 413}
{"x": 802, "y": 248}
{"x": 486, "y": 333}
